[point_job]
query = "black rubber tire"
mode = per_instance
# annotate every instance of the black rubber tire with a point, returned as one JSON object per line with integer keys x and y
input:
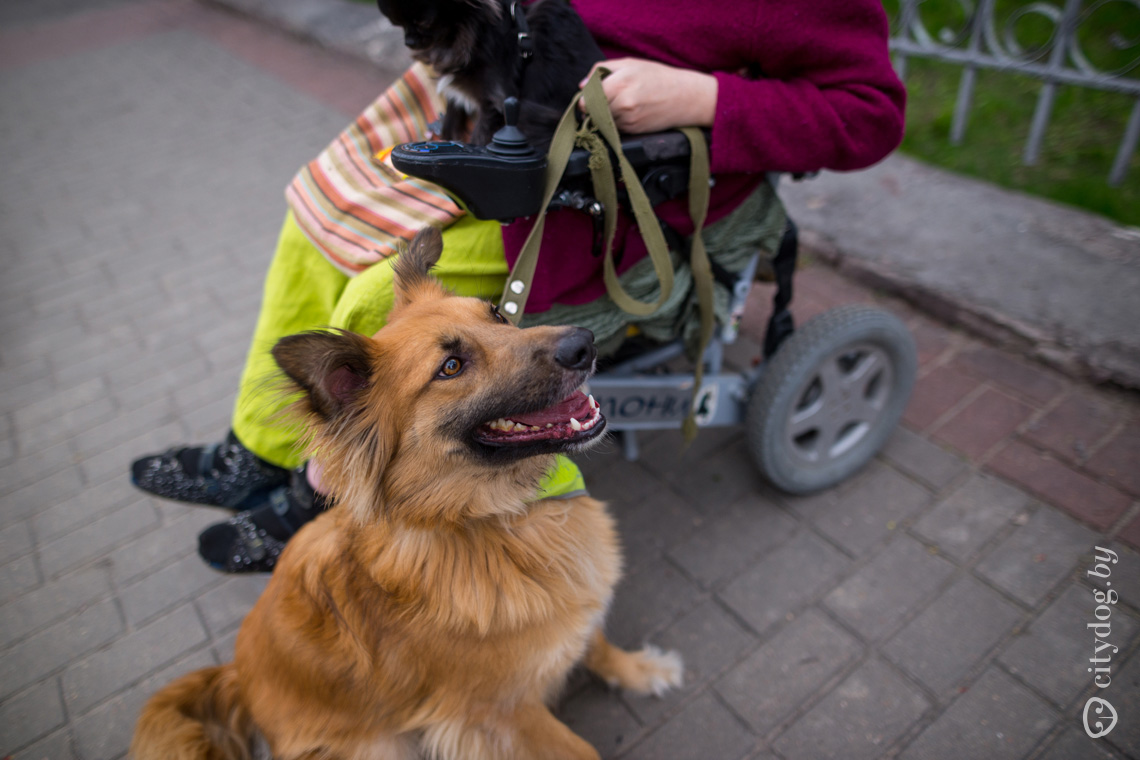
{"x": 794, "y": 368}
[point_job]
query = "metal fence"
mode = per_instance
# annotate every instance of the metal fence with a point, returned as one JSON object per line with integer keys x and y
{"x": 982, "y": 40}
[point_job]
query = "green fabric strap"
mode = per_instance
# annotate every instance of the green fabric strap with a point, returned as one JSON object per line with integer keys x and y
{"x": 596, "y": 131}
{"x": 599, "y": 121}
{"x": 699, "y": 176}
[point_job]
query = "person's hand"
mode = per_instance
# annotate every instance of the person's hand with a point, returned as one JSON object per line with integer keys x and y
{"x": 646, "y": 96}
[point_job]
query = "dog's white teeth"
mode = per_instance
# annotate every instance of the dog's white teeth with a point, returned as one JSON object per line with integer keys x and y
{"x": 549, "y": 425}
{"x": 575, "y": 424}
{"x": 593, "y": 404}
{"x": 535, "y": 427}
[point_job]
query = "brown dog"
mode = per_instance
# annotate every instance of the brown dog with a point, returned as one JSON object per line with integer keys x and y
{"x": 434, "y": 611}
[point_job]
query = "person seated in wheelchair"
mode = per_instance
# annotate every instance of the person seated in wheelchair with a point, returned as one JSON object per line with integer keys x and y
{"x": 782, "y": 86}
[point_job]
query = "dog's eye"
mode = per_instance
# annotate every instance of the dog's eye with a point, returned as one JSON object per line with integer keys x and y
{"x": 498, "y": 315}
{"x": 451, "y": 367}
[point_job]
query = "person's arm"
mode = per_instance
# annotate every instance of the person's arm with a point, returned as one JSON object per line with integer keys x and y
{"x": 646, "y": 96}
{"x": 828, "y": 97}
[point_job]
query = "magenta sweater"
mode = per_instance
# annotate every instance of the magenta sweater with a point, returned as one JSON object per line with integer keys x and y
{"x": 802, "y": 85}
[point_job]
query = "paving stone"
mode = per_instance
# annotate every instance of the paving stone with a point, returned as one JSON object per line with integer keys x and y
{"x": 1053, "y": 653}
{"x": 24, "y": 502}
{"x": 128, "y": 423}
{"x": 30, "y": 715}
{"x": 1035, "y": 383}
{"x": 15, "y": 540}
{"x": 30, "y": 416}
{"x": 1075, "y": 745}
{"x": 930, "y": 338}
{"x": 55, "y": 599}
{"x": 1037, "y": 555}
{"x": 224, "y": 646}
{"x": 1074, "y": 427}
{"x": 56, "y": 646}
{"x": 880, "y": 595}
{"x": 96, "y": 538}
{"x": 995, "y": 719}
{"x": 923, "y": 459}
{"x": 866, "y": 510}
{"x": 650, "y": 525}
{"x": 31, "y": 468}
{"x": 729, "y": 542}
{"x": 713, "y": 474}
{"x": 1095, "y": 503}
{"x": 116, "y": 460}
{"x": 55, "y": 747}
{"x": 785, "y": 580}
{"x": 17, "y": 577}
{"x": 1116, "y": 459}
{"x": 1124, "y": 696}
{"x": 768, "y": 687}
{"x": 64, "y": 427}
{"x": 105, "y": 732}
{"x": 935, "y": 394}
{"x": 950, "y": 637}
{"x": 225, "y": 606}
{"x": 168, "y": 587}
{"x": 1130, "y": 533}
{"x": 85, "y": 507}
{"x": 708, "y": 640}
{"x": 165, "y": 544}
{"x": 597, "y": 714}
{"x": 130, "y": 658}
{"x": 645, "y": 600}
{"x": 704, "y": 729}
{"x": 861, "y": 718}
{"x": 620, "y": 482}
{"x": 983, "y": 423}
{"x": 970, "y": 516}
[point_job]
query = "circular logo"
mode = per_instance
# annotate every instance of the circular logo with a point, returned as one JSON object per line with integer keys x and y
{"x": 1101, "y": 706}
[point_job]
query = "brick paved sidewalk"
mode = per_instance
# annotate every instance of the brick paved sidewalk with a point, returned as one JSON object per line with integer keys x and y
{"x": 935, "y": 606}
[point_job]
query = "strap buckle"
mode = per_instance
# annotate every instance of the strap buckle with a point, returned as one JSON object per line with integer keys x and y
{"x": 526, "y": 44}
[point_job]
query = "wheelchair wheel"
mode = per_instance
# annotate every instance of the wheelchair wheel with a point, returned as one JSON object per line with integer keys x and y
{"x": 830, "y": 398}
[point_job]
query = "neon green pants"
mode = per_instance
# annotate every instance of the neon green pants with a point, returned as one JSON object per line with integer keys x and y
{"x": 303, "y": 291}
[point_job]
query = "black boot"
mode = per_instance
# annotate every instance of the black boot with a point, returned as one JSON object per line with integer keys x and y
{"x": 250, "y": 542}
{"x": 225, "y": 474}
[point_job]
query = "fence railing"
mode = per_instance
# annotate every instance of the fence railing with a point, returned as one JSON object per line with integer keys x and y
{"x": 978, "y": 40}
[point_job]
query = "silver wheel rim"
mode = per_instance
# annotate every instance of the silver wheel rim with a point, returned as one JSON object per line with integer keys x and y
{"x": 839, "y": 405}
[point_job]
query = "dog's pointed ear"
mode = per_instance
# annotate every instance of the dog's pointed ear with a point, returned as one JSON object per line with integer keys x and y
{"x": 332, "y": 368}
{"x": 413, "y": 265}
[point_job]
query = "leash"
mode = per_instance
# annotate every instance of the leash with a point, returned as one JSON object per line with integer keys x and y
{"x": 599, "y": 135}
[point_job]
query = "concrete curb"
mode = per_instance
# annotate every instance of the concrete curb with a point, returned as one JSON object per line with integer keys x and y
{"x": 1118, "y": 365}
{"x": 1078, "y": 312}
{"x": 356, "y": 29}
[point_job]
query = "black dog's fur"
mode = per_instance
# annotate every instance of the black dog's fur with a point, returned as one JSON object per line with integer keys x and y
{"x": 474, "y": 44}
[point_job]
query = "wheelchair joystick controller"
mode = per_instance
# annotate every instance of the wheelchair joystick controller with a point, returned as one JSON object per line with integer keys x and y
{"x": 503, "y": 180}
{"x": 509, "y": 140}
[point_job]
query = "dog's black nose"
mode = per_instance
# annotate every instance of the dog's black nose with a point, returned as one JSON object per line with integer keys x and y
{"x": 575, "y": 349}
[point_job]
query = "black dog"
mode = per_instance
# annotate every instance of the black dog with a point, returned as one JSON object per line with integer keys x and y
{"x": 488, "y": 50}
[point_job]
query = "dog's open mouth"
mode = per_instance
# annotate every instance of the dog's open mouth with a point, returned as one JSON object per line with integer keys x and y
{"x": 575, "y": 418}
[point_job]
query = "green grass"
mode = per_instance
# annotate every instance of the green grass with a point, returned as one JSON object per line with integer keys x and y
{"x": 1084, "y": 132}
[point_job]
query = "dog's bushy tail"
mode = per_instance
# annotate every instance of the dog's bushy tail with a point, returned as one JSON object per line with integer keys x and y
{"x": 197, "y": 717}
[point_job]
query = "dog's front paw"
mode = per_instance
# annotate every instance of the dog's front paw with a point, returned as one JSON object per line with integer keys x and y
{"x": 652, "y": 671}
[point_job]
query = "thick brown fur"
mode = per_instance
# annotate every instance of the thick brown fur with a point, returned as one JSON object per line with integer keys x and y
{"x": 435, "y": 611}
